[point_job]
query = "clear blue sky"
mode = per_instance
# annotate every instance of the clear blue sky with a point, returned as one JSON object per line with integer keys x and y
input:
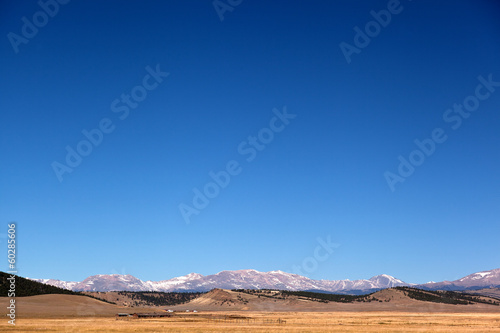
{"x": 323, "y": 174}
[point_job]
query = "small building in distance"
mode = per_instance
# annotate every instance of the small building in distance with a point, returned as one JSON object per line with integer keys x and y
{"x": 151, "y": 315}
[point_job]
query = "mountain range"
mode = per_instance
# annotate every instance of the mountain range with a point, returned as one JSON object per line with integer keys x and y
{"x": 252, "y": 279}
{"x": 485, "y": 279}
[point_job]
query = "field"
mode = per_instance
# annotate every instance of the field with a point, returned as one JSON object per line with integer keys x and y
{"x": 228, "y": 311}
{"x": 268, "y": 322}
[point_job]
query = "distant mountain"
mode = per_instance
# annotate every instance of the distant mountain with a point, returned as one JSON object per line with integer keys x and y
{"x": 480, "y": 280}
{"x": 57, "y": 283}
{"x": 252, "y": 279}
{"x": 240, "y": 279}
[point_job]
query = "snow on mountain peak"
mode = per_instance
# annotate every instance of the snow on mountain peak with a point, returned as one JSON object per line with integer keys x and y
{"x": 484, "y": 275}
{"x": 279, "y": 272}
{"x": 240, "y": 279}
{"x": 253, "y": 279}
{"x": 484, "y": 279}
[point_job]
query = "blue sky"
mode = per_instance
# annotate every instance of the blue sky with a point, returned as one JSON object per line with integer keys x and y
{"x": 322, "y": 175}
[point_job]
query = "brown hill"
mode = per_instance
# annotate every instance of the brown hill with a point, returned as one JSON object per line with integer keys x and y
{"x": 490, "y": 292}
{"x": 385, "y": 300}
{"x": 222, "y": 299}
{"x": 63, "y": 306}
{"x": 226, "y": 300}
{"x": 143, "y": 298}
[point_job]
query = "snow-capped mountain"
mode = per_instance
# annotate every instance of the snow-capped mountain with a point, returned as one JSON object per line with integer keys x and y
{"x": 58, "y": 283}
{"x": 485, "y": 279}
{"x": 100, "y": 283}
{"x": 175, "y": 284}
{"x": 252, "y": 279}
{"x": 240, "y": 279}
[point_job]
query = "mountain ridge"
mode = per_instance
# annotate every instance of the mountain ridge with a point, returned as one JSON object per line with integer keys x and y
{"x": 253, "y": 279}
{"x": 238, "y": 279}
{"x": 483, "y": 279}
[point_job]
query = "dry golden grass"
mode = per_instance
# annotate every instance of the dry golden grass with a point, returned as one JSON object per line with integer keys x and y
{"x": 295, "y": 322}
{"x": 69, "y": 313}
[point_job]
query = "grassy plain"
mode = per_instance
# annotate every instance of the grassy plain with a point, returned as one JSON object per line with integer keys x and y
{"x": 227, "y": 311}
{"x": 365, "y": 322}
